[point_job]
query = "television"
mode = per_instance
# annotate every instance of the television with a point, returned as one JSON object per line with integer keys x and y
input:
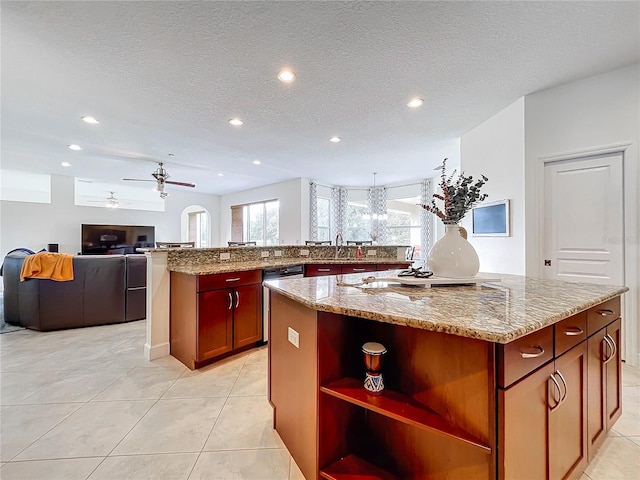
{"x": 116, "y": 239}
{"x": 491, "y": 219}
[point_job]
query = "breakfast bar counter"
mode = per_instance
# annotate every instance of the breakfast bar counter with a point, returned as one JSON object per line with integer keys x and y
{"x": 518, "y": 378}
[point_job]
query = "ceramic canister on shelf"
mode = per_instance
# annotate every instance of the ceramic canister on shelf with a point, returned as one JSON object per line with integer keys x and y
{"x": 373, "y": 357}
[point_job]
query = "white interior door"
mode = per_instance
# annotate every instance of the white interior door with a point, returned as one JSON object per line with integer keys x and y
{"x": 583, "y": 220}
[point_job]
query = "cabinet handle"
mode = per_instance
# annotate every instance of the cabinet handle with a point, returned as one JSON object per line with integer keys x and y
{"x": 606, "y": 312}
{"x": 358, "y": 269}
{"x": 539, "y": 352}
{"x": 573, "y": 331}
{"x": 559, "y": 397}
{"x": 324, "y": 269}
{"x": 564, "y": 382}
{"x": 237, "y": 299}
{"x": 612, "y": 345}
{"x": 230, "y": 300}
{"x": 233, "y": 279}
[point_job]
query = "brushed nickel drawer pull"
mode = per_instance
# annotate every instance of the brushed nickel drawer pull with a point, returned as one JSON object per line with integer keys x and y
{"x": 606, "y": 312}
{"x": 557, "y": 399}
{"x": 324, "y": 269}
{"x": 237, "y": 299}
{"x": 230, "y": 300}
{"x": 358, "y": 269}
{"x": 573, "y": 331}
{"x": 539, "y": 352}
{"x": 233, "y": 279}
{"x": 612, "y": 345}
{"x": 564, "y": 382}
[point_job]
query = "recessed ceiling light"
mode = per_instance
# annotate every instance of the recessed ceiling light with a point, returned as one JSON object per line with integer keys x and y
{"x": 335, "y": 139}
{"x": 73, "y": 146}
{"x": 65, "y": 164}
{"x": 171, "y": 154}
{"x": 91, "y": 120}
{"x": 221, "y": 174}
{"x": 257, "y": 162}
{"x": 236, "y": 122}
{"x": 287, "y": 76}
{"x": 415, "y": 103}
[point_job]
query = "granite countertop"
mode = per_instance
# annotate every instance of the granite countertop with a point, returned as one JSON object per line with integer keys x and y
{"x": 498, "y": 312}
{"x": 232, "y": 266}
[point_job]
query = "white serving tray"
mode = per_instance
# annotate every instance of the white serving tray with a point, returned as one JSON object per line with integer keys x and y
{"x": 437, "y": 281}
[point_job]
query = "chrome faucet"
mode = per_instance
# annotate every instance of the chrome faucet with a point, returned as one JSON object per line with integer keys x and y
{"x": 338, "y": 244}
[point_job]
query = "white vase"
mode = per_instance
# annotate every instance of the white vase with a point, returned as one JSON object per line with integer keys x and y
{"x": 452, "y": 256}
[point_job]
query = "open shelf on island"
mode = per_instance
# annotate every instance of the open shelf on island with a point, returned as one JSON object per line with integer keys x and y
{"x": 355, "y": 468}
{"x": 399, "y": 407}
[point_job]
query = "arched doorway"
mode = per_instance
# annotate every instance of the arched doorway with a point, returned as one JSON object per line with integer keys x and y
{"x": 195, "y": 226}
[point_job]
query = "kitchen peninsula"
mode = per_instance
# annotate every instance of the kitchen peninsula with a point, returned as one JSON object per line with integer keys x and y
{"x": 507, "y": 380}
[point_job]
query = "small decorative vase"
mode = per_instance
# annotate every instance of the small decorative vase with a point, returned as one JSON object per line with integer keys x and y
{"x": 453, "y": 256}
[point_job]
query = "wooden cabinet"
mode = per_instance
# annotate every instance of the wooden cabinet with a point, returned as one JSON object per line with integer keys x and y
{"x": 317, "y": 269}
{"x": 359, "y": 268}
{"x": 213, "y": 315}
{"x": 543, "y": 421}
{"x": 604, "y": 373}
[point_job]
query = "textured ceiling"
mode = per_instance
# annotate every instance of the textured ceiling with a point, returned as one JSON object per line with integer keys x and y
{"x": 165, "y": 77}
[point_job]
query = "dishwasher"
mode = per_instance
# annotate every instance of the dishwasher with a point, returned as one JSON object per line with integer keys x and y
{"x": 275, "y": 273}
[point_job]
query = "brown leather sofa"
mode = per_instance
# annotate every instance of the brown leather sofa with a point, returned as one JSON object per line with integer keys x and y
{"x": 105, "y": 289}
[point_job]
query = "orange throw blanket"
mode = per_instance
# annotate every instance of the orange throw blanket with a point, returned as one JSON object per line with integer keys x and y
{"x": 56, "y": 266}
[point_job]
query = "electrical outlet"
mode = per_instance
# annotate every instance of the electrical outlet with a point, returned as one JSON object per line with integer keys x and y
{"x": 225, "y": 256}
{"x": 293, "y": 337}
{"x": 278, "y": 253}
{"x": 371, "y": 253}
{"x": 304, "y": 253}
{"x": 264, "y": 254}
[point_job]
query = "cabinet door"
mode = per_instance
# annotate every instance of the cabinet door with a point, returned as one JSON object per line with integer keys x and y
{"x": 613, "y": 377}
{"x": 214, "y": 323}
{"x": 568, "y": 421}
{"x": 317, "y": 270}
{"x": 247, "y": 318}
{"x": 596, "y": 424}
{"x": 522, "y": 435}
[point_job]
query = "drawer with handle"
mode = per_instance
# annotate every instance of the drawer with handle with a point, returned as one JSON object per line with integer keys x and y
{"x": 228, "y": 280}
{"x": 602, "y": 315}
{"x": 359, "y": 268}
{"x": 570, "y": 332}
{"x": 316, "y": 270}
{"x": 522, "y": 356}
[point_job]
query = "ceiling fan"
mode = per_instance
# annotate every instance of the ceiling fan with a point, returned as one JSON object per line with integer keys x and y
{"x": 112, "y": 201}
{"x": 161, "y": 178}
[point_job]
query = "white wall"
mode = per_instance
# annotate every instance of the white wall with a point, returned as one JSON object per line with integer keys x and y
{"x": 34, "y": 225}
{"x": 591, "y": 114}
{"x": 495, "y": 149}
{"x": 294, "y": 209}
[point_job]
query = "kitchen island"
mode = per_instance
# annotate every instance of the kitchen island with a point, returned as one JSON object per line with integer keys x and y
{"x": 514, "y": 379}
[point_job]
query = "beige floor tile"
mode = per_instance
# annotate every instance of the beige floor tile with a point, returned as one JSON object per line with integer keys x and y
{"x": 630, "y": 376}
{"x": 17, "y": 387}
{"x": 269, "y": 464}
{"x": 213, "y": 381}
{"x": 296, "y": 474}
{"x": 617, "y": 459}
{"x": 93, "y": 430}
{"x": 635, "y": 440}
{"x": 21, "y": 425}
{"x": 79, "y": 387}
{"x": 173, "y": 466}
{"x": 141, "y": 383}
{"x": 251, "y": 381}
{"x": 584, "y": 476}
{"x": 180, "y": 425}
{"x": 63, "y": 469}
{"x": 258, "y": 355}
{"x": 245, "y": 422}
{"x": 629, "y": 422}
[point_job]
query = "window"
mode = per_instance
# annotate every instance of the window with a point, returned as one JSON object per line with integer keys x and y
{"x": 198, "y": 229}
{"x": 358, "y": 228}
{"x": 403, "y": 223}
{"x": 258, "y": 222}
{"x": 324, "y": 218}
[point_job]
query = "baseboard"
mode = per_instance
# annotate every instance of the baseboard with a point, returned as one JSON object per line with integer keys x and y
{"x": 157, "y": 351}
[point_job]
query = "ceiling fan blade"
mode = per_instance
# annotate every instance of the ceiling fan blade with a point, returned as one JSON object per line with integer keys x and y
{"x": 139, "y": 180}
{"x": 182, "y": 184}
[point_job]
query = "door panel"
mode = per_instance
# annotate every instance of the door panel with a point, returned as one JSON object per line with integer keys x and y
{"x": 584, "y": 220}
{"x": 214, "y": 323}
{"x": 247, "y": 319}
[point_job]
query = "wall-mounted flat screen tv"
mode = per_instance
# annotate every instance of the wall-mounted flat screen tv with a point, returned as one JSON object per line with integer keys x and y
{"x": 491, "y": 219}
{"x": 116, "y": 239}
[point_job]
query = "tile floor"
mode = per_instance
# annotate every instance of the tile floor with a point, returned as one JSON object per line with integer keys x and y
{"x": 84, "y": 404}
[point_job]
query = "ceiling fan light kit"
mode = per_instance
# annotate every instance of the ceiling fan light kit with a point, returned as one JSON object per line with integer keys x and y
{"x": 161, "y": 177}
